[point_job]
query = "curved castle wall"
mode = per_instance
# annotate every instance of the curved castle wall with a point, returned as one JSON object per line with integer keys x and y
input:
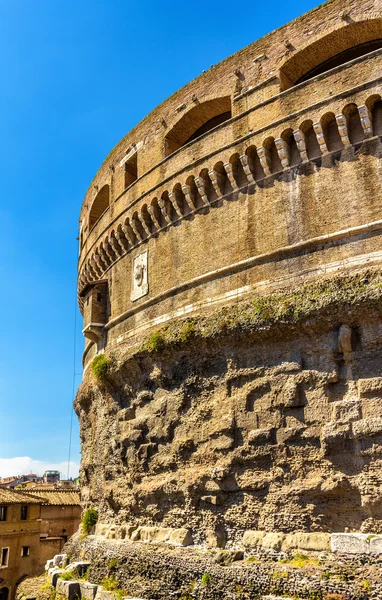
{"x": 262, "y": 175}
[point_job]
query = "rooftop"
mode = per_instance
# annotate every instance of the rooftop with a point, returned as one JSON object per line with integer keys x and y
{"x": 12, "y": 497}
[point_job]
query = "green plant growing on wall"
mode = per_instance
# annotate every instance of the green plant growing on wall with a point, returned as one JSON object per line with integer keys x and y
{"x": 206, "y": 579}
{"x": 99, "y": 367}
{"x": 156, "y": 341}
{"x": 110, "y": 584}
{"x": 89, "y": 519}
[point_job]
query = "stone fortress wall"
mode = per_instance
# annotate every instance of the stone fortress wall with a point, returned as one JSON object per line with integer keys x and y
{"x": 261, "y": 175}
{"x": 258, "y": 201}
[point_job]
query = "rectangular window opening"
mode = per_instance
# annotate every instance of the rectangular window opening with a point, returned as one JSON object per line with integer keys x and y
{"x": 25, "y": 551}
{"x": 4, "y": 557}
{"x": 3, "y": 513}
{"x": 24, "y": 513}
{"x": 131, "y": 170}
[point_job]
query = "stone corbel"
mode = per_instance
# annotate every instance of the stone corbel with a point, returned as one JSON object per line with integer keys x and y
{"x": 128, "y": 236}
{"x": 320, "y": 138}
{"x": 100, "y": 262}
{"x": 144, "y": 225}
{"x": 366, "y": 120}
{"x": 151, "y": 211}
{"x": 96, "y": 266}
{"x": 301, "y": 145}
{"x": 134, "y": 227}
{"x": 246, "y": 169}
{"x": 215, "y": 177}
{"x": 164, "y": 211}
{"x": 94, "y": 332}
{"x": 115, "y": 246}
{"x": 174, "y": 201}
{"x": 343, "y": 130}
{"x": 265, "y": 159}
{"x": 283, "y": 152}
{"x": 229, "y": 170}
{"x": 200, "y": 184}
{"x": 105, "y": 257}
{"x": 186, "y": 189}
{"x": 122, "y": 240}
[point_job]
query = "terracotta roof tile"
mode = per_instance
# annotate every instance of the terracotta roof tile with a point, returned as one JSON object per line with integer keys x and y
{"x": 56, "y": 497}
{"x": 12, "y": 497}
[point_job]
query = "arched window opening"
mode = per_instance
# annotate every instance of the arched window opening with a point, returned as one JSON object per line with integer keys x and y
{"x": 335, "y": 49}
{"x": 4, "y": 593}
{"x": 100, "y": 205}
{"x": 331, "y": 133}
{"x": 341, "y": 58}
{"x": 131, "y": 170}
{"x": 353, "y": 121}
{"x": 312, "y": 146}
{"x": 198, "y": 120}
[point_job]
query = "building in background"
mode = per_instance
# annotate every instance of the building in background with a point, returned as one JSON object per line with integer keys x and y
{"x": 33, "y": 528}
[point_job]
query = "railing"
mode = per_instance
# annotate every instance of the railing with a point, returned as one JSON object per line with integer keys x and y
{"x": 296, "y": 139}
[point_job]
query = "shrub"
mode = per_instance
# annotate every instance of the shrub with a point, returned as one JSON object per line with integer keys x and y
{"x": 155, "y": 342}
{"x": 253, "y": 559}
{"x": 111, "y": 585}
{"x": 68, "y": 575}
{"x": 206, "y": 579}
{"x": 99, "y": 367}
{"x": 187, "y": 331}
{"x": 89, "y": 518}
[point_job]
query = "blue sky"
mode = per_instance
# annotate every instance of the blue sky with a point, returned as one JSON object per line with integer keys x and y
{"x": 76, "y": 76}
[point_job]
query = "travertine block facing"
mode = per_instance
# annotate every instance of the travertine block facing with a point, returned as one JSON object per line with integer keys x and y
{"x": 375, "y": 544}
{"x": 350, "y": 543}
{"x": 157, "y": 535}
{"x": 253, "y": 538}
{"x": 273, "y": 541}
{"x": 310, "y": 542}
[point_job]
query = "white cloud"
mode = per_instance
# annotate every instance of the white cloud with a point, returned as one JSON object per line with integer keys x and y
{"x": 22, "y": 465}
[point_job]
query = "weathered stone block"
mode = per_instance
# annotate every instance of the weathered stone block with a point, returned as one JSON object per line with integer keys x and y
{"x": 346, "y": 410}
{"x": 53, "y": 575}
{"x": 349, "y": 543}
{"x": 253, "y": 538}
{"x": 370, "y": 386}
{"x": 181, "y": 537}
{"x": 59, "y": 560}
{"x": 367, "y": 427}
{"x": 216, "y": 538}
{"x": 273, "y": 541}
{"x": 335, "y": 437}
{"x": 375, "y": 544}
{"x": 259, "y": 436}
{"x": 316, "y": 541}
{"x": 68, "y": 589}
{"x": 88, "y": 590}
